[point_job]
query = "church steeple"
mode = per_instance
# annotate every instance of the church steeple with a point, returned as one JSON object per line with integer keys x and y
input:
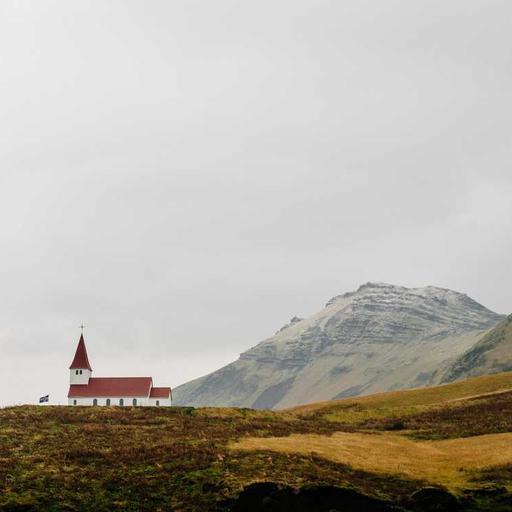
{"x": 80, "y": 370}
{"x": 81, "y": 360}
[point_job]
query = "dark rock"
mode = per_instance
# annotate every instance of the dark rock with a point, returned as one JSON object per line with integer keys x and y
{"x": 433, "y": 499}
{"x": 271, "y": 497}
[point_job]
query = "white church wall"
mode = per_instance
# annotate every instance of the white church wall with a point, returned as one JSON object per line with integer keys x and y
{"x": 114, "y": 401}
{"x": 79, "y": 376}
{"x": 162, "y": 402}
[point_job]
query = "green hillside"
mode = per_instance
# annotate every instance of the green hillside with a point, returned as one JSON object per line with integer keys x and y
{"x": 371, "y": 453}
{"x": 492, "y": 354}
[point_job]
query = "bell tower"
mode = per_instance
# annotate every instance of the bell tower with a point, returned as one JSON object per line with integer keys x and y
{"x": 80, "y": 370}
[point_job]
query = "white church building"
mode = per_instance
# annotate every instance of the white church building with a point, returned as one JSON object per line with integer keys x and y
{"x": 87, "y": 390}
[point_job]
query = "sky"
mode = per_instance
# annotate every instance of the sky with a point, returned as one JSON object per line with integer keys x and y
{"x": 184, "y": 177}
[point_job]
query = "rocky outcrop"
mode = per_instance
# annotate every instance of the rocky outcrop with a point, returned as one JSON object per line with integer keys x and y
{"x": 377, "y": 338}
{"x": 292, "y": 321}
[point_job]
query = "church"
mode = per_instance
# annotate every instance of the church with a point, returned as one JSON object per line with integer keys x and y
{"x": 87, "y": 390}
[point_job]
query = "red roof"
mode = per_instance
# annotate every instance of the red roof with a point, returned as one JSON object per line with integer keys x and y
{"x": 81, "y": 360}
{"x": 160, "y": 393}
{"x": 112, "y": 387}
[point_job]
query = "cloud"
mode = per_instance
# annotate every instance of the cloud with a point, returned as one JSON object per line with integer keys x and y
{"x": 186, "y": 177}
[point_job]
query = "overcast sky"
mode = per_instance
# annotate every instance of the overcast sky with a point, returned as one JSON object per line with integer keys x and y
{"x": 185, "y": 176}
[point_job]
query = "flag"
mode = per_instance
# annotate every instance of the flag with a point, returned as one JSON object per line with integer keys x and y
{"x": 45, "y": 398}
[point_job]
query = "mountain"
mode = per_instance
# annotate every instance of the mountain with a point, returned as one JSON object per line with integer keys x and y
{"x": 379, "y": 337}
{"x": 492, "y": 354}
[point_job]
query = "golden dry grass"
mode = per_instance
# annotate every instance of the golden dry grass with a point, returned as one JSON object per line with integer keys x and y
{"x": 405, "y": 402}
{"x": 449, "y": 462}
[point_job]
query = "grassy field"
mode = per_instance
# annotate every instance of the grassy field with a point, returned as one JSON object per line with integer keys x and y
{"x": 406, "y": 402}
{"x": 386, "y": 447}
{"x": 452, "y": 463}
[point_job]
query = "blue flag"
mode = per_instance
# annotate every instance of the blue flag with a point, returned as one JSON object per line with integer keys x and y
{"x": 45, "y": 398}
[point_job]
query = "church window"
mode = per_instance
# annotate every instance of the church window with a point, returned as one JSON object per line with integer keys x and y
{"x": 121, "y": 401}
{"x": 76, "y": 372}
{"x": 74, "y": 402}
{"x": 80, "y": 372}
{"x": 158, "y": 402}
{"x": 95, "y": 401}
{"x": 108, "y": 401}
{"x": 134, "y": 402}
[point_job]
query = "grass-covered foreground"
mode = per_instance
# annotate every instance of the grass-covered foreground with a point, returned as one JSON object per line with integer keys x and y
{"x": 370, "y": 453}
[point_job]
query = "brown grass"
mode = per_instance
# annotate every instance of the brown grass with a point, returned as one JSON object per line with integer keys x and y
{"x": 403, "y": 403}
{"x": 451, "y": 463}
{"x": 485, "y": 414}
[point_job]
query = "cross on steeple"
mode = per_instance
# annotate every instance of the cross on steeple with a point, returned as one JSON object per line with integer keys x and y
{"x": 82, "y": 327}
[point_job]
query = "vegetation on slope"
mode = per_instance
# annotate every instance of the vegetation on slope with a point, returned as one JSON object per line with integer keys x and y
{"x": 491, "y": 354}
{"x": 185, "y": 459}
{"x": 403, "y": 403}
{"x": 484, "y": 414}
{"x": 91, "y": 458}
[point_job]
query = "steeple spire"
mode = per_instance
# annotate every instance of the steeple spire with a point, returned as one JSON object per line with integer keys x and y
{"x": 81, "y": 360}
